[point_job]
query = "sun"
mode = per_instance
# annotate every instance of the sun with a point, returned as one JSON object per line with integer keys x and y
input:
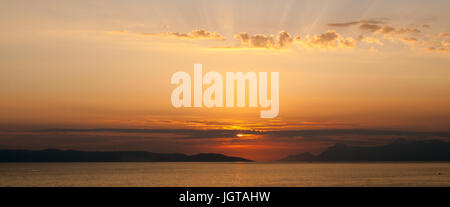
{"x": 239, "y": 135}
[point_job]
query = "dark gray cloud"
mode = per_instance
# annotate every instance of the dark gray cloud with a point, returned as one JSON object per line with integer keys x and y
{"x": 183, "y": 133}
{"x": 215, "y": 133}
{"x": 292, "y": 133}
{"x": 370, "y": 27}
{"x": 354, "y": 23}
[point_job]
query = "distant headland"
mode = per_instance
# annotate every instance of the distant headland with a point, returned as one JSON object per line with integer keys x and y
{"x": 400, "y": 150}
{"x": 55, "y": 155}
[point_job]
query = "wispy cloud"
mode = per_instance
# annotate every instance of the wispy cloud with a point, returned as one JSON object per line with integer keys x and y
{"x": 370, "y": 27}
{"x": 194, "y": 34}
{"x": 353, "y": 23}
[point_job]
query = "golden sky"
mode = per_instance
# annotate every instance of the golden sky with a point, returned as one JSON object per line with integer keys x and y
{"x": 362, "y": 64}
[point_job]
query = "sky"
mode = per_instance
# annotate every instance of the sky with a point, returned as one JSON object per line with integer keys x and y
{"x": 95, "y": 75}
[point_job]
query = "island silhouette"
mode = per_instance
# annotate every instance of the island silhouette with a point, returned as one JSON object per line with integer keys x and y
{"x": 399, "y": 150}
{"x": 56, "y": 155}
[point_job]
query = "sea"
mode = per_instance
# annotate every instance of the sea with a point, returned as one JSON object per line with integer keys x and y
{"x": 222, "y": 174}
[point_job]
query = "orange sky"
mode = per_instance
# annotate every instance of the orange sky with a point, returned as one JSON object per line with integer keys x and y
{"x": 377, "y": 65}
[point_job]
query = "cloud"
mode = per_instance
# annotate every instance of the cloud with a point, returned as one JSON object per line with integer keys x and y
{"x": 324, "y": 40}
{"x": 408, "y": 39}
{"x": 376, "y": 26}
{"x": 194, "y": 34}
{"x": 443, "y": 46}
{"x": 284, "y": 40}
{"x": 444, "y": 35}
{"x": 294, "y": 133}
{"x": 370, "y": 27}
{"x": 370, "y": 40}
{"x": 283, "y": 133}
{"x": 438, "y": 43}
{"x": 345, "y": 24}
{"x": 257, "y": 41}
{"x": 182, "y": 133}
{"x": 407, "y": 31}
{"x": 406, "y": 35}
{"x": 382, "y": 28}
{"x": 388, "y": 30}
{"x": 371, "y": 32}
{"x": 348, "y": 42}
{"x": 274, "y": 135}
{"x": 353, "y": 23}
{"x": 329, "y": 39}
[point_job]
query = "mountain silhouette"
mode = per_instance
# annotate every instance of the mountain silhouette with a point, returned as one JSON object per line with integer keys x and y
{"x": 55, "y": 155}
{"x": 399, "y": 150}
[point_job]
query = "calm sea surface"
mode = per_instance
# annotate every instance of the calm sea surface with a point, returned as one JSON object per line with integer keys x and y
{"x": 224, "y": 174}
